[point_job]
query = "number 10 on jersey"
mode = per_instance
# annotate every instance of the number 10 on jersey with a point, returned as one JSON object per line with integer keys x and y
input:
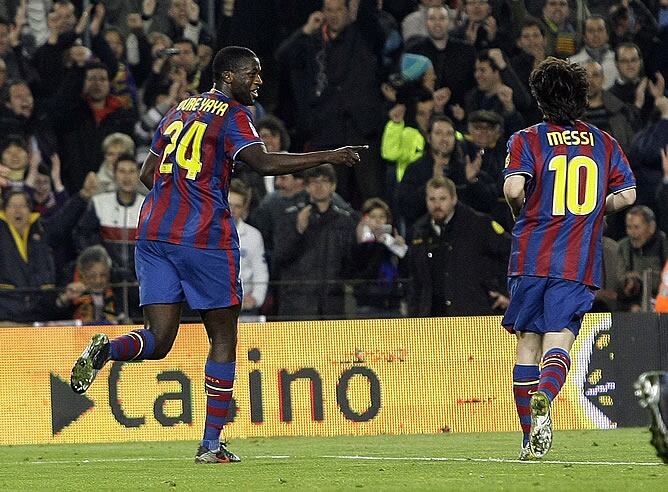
{"x": 570, "y": 176}
{"x": 188, "y": 148}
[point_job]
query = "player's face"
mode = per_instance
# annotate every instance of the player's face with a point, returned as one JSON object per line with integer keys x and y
{"x": 638, "y": 230}
{"x": 15, "y": 157}
{"x": 17, "y": 212}
{"x": 595, "y": 35}
{"x": 271, "y": 140}
{"x": 442, "y": 138}
{"x": 238, "y": 207}
{"x": 127, "y": 176}
{"x": 437, "y": 23}
{"x": 628, "y": 62}
{"x": 246, "y": 82}
{"x": 96, "y": 84}
{"x": 440, "y": 203}
{"x": 20, "y": 100}
{"x": 320, "y": 189}
{"x": 556, "y": 10}
{"x": 96, "y": 277}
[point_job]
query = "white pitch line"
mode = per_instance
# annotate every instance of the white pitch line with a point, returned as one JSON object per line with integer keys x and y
{"x": 361, "y": 458}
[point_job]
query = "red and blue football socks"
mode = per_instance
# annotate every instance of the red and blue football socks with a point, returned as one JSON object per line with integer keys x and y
{"x": 525, "y": 383}
{"x": 218, "y": 385}
{"x": 136, "y": 345}
{"x": 555, "y": 366}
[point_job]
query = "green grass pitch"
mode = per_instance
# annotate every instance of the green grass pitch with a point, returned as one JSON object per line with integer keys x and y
{"x": 610, "y": 460}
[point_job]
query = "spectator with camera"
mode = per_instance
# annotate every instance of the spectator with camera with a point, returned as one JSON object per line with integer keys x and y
{"x": 377, "y": 253}
{"x": 313, "y": 253}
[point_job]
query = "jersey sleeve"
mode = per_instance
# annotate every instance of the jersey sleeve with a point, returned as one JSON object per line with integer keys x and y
{"x": 518, "y": 159}
{"x": 240, "y": 133}
{"x": 621, "y": 176}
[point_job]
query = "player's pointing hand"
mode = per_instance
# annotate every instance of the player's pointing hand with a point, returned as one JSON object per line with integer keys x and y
{"x": 348, "y": 155}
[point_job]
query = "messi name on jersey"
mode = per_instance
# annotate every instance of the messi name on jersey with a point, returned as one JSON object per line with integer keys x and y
{"x": 203, "y": 104}
{"x": 570, "y": 137}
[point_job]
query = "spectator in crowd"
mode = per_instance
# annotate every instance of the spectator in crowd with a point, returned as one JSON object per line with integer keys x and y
{"x": 90, "y": 298}
{"x": 14, "y": 156}
{"x": 562, "y": 36}
{"x": 531, "y": 42}
{"x": 332, "y": 62}
{"x": 444, "y": 158}
{"x": 605, "y": 299}
{"x": 643, "y": 249}
{"x": 11, "y": 51}
{"x": 414, "y": 25}
{"x": 113, "y": 146}
{"x": 377, "y": 253}
{"x": 632, "y": 22}
{"x": 662, "y": 197}
{"x": 276, "y": 138}
{"x": 415, "y": 71}
{"x": 111, "y": 220}
{"x": 404, "y": 137}
{"x": 19, "y": 118}
{"x": 452, "y": 59}
{"x": 596, "y": 47}
{"x": 45, "y": 186}
{"x": 480, "y": 28}
{"x": 497, "y": 89}
{"x": 631, "y": 86}
{"x": 606, "y": 111}
{"x": 645, "y": 153}
{"x": 456, "y": 257}
{"x": 485, "y": 137}
{"x": 313, "y": 254}
{"x": 84, "y": 119}
{"x": 181, "y": 20}
{"x": 27, "y": 264}
{"x": 252, "y": 264}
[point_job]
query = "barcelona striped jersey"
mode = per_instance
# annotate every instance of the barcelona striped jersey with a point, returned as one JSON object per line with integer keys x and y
{"x": 570, "y": 170}
{"x": 197, "y": 142}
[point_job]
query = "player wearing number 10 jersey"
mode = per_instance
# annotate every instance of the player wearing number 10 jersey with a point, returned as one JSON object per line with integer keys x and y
{"x": 561, "y": 177}
{"x": 187, "y": 244}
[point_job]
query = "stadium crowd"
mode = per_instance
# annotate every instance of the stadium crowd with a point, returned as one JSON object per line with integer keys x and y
{"x": 434, "y": 88}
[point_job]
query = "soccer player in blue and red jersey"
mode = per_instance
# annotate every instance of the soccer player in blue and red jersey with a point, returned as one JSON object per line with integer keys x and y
{"x": 187, "y": 245}
{"x": 561, "y": 177}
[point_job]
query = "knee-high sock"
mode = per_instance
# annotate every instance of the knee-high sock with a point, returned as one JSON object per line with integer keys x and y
{"x": 525, "y": 383}
{"x": 218, "y": 385}
{"x": 136, "y": 345}
{"x": 555, "y": 366}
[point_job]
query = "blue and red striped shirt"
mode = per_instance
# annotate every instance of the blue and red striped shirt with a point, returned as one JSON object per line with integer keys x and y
{"x": 197, "y": 142}
{"x": 570, "y": 170}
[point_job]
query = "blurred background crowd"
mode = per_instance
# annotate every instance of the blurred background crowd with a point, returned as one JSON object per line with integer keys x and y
{"x": 434, "y": 87}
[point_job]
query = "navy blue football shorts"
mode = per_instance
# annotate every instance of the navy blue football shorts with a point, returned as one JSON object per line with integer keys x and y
{"x": 170, "y": 273}
{"x": 542, "y": 304}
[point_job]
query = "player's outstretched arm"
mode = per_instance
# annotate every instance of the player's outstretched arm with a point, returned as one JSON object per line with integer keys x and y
{"x": 513, "y": 190}
{"x": 148, "y": 170}
{"x": 270, "y": 163}
{"x": 615, "y": 202}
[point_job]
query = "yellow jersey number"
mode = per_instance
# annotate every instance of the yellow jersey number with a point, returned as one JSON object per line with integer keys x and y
{"x": 566, "y": 193}
{"x": 189, "y": 143}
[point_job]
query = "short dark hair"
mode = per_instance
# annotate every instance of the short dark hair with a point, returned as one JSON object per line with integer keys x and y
{"x": 230, "y": 59}
{"x": 10, "y": 192}
{"x": 530, "y": 21}
{"x": 560, "y": 88}
{"x": 94, "y": 65}
{"x": 6, "y": 93}
{"x": 483, "y": 56}
{"x": 628, "y": 44}
{"x": 326, "y": 170}
{"x": 643, "y": 211}
{"x": 439, "y": 118}
{"x": 275, "y": 125}
{"x": 124, "y": 157}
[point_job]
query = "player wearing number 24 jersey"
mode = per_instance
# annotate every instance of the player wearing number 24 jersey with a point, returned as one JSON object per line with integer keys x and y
{"x": 561, "y": 177}
{"x": 211, "y": 130}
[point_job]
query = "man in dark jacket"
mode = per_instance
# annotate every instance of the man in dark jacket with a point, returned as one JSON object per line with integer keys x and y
{"x": 456, "y": 258}
{"x": 313, "y": 253}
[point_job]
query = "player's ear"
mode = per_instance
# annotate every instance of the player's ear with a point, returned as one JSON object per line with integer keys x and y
{"x": 227, "y": 76}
